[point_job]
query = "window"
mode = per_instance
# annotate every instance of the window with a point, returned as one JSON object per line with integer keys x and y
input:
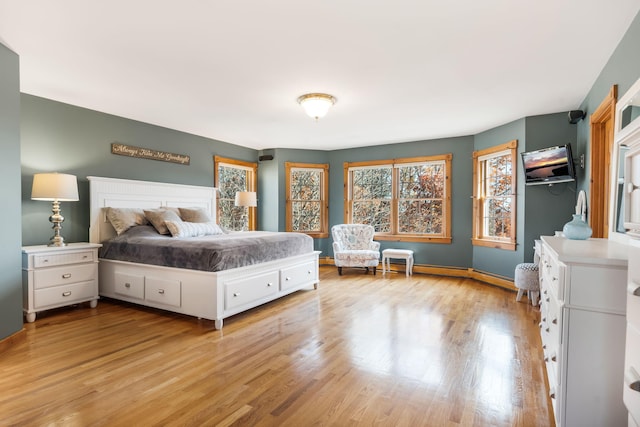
{"x": 231, "y": 176}
{"x": 404, "y": 199}
{"x": 494, "y": 198}
{"x": 307, "y": 208}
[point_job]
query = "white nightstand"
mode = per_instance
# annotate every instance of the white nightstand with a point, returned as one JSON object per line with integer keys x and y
{"x": 58, "y": 276}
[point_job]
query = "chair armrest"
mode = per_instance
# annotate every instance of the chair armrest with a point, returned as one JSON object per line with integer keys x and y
{"x": 337, "y": 247}
{"x": 374, "y": 246}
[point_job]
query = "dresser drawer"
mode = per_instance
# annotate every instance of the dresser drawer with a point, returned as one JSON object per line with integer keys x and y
{"x": 129, "y": 285}
{"x": 631, "y": 393}
{"x": 598, "y": 288}
{"x": 633, "y": 289}
{"x": 294, "y": 276}
{"x": 243, "y": 291}
{"x": 48, "y": 277}
{"x": 49, "y": 260}
{"x": 65, "y": 294}
{"x": 162, "y": 291}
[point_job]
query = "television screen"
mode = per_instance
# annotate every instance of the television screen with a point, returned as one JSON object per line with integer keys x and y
{"x": 549, "y": 165}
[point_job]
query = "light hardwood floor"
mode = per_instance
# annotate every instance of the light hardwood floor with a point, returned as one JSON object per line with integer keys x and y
{"x": 360, "y": 350}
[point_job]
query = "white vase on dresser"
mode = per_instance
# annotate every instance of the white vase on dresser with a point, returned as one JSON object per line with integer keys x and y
{"x": 583, "y": 302}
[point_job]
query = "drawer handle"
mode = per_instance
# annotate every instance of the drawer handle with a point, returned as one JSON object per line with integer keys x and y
{"x": 269, "y": 284}
{"x": 632, "y": 380}
{"x": 552, "y": 394}
{"x": 546, "y": 330}
{"x": 309, "y": 272}
{"x": 66, "y": 294}
{"x": 127, "y": 285}
{"x": 161, "y": 291}
{"x": 236, "y": 294}
{"x": 66, "y": 275}
{"x": 85, "y": 257}
{"x": 555, "y": 321}
{"x": 287, "y": 279}
{"x": 633, "y": 289}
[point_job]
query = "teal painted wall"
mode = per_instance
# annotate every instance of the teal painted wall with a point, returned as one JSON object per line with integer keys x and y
{"x": 500, "y": 261}
{"x": 547, "y": 208}
{"x": 64, "y": 138}
{"x": 458, "y": 253}
{"x": 623, "y": 69}
{"x": 10, "y": 262}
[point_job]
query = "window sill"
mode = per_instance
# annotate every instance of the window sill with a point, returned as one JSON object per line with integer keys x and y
{"x": 496, "y": 244}
{"x": 421, "y": 239}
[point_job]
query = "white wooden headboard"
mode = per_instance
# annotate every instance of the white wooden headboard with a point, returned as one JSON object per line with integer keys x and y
{"x": 126, "y": 193}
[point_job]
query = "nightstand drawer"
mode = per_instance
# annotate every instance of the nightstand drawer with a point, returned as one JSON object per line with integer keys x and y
{"x": 48, "y": 277}
{"x": 65, "y": 294}
{"x": 50, "y": 260}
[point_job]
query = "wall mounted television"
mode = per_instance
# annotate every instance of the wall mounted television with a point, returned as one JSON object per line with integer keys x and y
{"x": 548, "y": 165}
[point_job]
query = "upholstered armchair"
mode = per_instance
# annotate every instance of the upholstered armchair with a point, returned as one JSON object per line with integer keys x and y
{"x": 353, "y": 246}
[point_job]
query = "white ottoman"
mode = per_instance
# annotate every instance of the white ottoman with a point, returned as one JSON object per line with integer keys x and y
{"x": 405, "y": 254}
{"x": 527, "y": 279}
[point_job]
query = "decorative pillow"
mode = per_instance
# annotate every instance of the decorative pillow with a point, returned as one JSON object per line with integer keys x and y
{"x": 192, "y": 229}
{"x": 123, "y": 219}
{"x": 157, "y": 218}
{"x": 195, "y": 215}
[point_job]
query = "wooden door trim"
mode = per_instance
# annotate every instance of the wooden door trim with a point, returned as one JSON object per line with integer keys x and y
{"x": 602, "y": 127}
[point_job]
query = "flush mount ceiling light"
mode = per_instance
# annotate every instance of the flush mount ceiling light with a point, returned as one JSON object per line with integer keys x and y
{"x": 316, "y": 105}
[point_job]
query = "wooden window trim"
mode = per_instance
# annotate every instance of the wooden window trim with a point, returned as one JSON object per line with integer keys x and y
{"x": 477, "y": 239}
{"x": 253, "y": 184}
{"x": 446, "y": 226}
{"x": 324, "y": 191}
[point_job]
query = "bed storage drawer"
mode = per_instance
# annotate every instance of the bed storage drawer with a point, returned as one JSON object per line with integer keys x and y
{"x": 294, "y": 276}
{"x": 162, "y": 291}
{"x": 243, "y": 291}
{"x": 129, "y": 285}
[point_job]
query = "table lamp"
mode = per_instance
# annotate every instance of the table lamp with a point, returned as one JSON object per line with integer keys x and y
{"x": 55, "y": 187}
{"x": 246, "y": 199}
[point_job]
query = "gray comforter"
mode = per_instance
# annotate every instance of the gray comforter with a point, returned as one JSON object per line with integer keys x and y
{"x": 143, "y": 244}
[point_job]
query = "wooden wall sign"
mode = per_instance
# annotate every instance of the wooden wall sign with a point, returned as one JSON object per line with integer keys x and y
{"x": 146, "y": 153}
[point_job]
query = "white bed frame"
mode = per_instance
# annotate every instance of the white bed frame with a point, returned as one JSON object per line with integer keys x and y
{"x": 213, "y": 296}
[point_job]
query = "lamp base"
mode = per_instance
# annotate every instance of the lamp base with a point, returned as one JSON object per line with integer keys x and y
{"x": 56, "y": 219}
{"x": 57, "y": 241}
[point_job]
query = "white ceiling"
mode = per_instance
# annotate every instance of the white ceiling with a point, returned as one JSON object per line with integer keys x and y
{"x": 231, "y": 70}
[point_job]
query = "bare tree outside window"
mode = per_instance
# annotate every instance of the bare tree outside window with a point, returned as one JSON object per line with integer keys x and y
{"x": 306, "y": 203}
{"x": 404, "y": 199}
{"x": 494, "y": 200}
{"x": 232, "y": 176}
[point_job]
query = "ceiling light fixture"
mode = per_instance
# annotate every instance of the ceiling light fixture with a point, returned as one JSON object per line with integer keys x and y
{"x": 316, "y": 105}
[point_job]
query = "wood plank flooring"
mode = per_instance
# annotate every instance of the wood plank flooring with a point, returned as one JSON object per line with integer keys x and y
{"x": 360, "y": 350}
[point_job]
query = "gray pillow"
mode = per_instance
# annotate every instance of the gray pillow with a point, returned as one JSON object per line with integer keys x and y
{"x": 157, "y": 217}
{"x": 123, "y": 219}
{"x": 195, "y": 215}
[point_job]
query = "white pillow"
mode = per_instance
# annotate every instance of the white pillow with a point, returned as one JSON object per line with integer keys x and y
{"x": 192, "y": 229}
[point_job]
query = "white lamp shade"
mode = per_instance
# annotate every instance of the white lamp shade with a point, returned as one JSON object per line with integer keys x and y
{"x": 246, "y": 198}
{"x": 54, "y": 186}
{"x": 316, "y": 105}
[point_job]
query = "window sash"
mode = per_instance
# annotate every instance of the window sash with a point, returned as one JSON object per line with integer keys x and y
{"x": 494, "y": 196}
{"x": 403, "y": 190}
{"x": 232, "y": 176}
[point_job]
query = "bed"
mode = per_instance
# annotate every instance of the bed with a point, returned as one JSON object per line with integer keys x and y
{"x": 194, "y": 291}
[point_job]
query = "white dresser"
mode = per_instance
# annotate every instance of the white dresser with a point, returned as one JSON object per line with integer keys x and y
{"x": 631, "y": 388}
{"x": 58, "y": 276}
{"x": 583, "y": 303}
